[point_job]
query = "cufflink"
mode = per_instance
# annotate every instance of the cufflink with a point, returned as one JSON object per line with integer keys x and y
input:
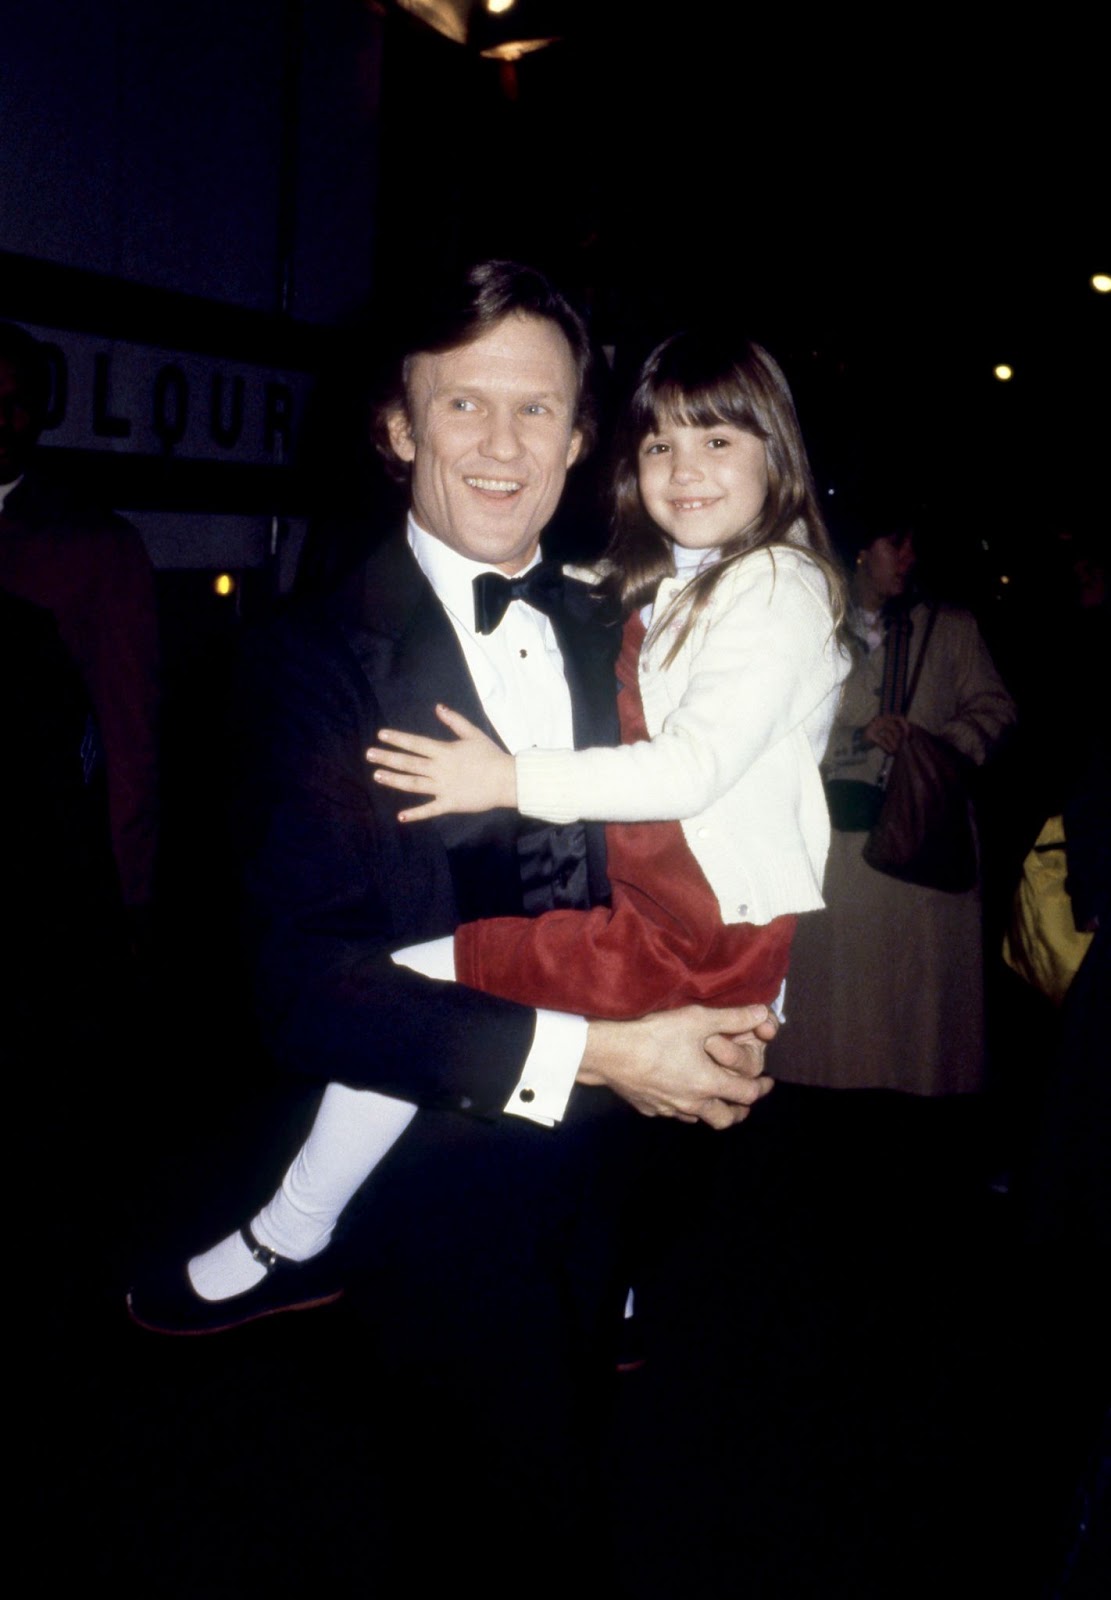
{"x": 528, "y": 1096}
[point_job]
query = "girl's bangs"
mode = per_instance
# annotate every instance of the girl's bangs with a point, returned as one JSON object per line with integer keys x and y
{"x": 703, "y": 405}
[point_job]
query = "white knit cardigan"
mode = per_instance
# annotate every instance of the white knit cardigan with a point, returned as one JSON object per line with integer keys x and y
{"x": 739, "y": 721}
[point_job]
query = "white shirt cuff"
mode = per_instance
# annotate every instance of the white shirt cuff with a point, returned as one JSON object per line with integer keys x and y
{"x": 548, "y": 1077}
{"x": 558, "y": 1045}
{"x": 435, "y": 958}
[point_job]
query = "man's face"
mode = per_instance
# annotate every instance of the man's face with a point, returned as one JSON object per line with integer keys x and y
{"x": 18, "y": 427}
{"x": 490, "y": 433}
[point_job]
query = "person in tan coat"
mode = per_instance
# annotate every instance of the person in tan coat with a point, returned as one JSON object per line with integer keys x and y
{"x": 886, "y": 987}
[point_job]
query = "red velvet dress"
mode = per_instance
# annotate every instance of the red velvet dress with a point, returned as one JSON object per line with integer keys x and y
{"x": 663, "y": 943}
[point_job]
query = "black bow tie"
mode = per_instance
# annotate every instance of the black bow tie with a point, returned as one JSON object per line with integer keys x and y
{"x": 542, "y": 587}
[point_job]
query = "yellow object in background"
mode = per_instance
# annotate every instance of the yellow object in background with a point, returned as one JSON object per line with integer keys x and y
{"x": 1042, "y": 943}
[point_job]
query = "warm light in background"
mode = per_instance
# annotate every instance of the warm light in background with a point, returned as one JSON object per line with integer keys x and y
{"x": 1003, "y": 372}
{"x": 496, "y": 33}
{"x": 1003, "y": 578}
{"x": 448, "y": 17}
{"x": 514, "y": 49}
{"x": 1101, "y": 282}
{"x": 223, "y": 584}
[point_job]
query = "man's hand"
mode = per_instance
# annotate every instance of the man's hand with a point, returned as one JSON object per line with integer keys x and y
{"x": 696, "y": 1064}
{"x": 465, "y": 774}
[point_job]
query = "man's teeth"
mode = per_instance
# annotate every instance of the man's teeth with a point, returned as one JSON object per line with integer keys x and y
{"x": 494, "y": 485}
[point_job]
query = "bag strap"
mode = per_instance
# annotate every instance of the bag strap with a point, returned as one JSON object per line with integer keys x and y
{"x": 896, "y": 654}
{"x": 917, "y": 673}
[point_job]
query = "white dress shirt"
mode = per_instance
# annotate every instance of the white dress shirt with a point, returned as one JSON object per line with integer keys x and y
{"x": 518, "y": 673}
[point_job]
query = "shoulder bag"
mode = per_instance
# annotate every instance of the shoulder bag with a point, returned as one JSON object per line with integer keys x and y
{"x": 924, "y": 833}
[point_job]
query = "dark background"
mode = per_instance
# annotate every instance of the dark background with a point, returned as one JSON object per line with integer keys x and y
{"x": 894, "y": 204}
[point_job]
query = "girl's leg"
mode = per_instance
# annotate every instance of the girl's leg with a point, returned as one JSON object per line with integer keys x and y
{"x": 353, "y": 1130}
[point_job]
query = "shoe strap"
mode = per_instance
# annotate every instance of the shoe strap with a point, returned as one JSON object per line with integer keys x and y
{"x": 265, "y": 1257}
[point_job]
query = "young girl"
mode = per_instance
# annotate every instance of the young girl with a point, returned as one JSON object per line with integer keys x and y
{"x": 730, "y": 672}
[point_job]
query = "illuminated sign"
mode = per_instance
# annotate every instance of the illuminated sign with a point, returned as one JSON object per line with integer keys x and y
{"x": 110, "y": 394}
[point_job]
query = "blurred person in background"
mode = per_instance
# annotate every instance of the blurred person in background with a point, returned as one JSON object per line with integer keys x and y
{"x": 886, "y": 988}
{"x": 89, "y": 569}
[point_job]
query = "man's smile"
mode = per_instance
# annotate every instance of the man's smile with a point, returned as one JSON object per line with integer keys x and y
{"x": 501, "y": 486}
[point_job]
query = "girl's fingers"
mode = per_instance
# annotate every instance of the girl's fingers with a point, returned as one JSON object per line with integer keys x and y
{"x": 458, "y": 724}
{"x": 396, "y": 760}
{"x": 415, "y": 743}
{"x": 431, "y": 808}
{"x": 409, "y": 783}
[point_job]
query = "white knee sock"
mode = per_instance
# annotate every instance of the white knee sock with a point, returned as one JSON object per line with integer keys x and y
{"x": 353, "y": 1130}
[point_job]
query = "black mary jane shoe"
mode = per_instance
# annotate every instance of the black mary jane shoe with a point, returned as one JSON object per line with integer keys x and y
{"x": 166, "y": 1302}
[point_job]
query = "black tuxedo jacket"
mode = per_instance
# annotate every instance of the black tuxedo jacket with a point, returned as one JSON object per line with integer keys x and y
{"x": 488, "y": 1251}
{"x": 334, "y": 882}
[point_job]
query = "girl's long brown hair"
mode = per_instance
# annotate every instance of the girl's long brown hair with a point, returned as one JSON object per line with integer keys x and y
{"x": 693, "y": 379}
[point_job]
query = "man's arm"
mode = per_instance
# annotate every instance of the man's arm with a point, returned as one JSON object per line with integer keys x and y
{"x": 333, "y": 886}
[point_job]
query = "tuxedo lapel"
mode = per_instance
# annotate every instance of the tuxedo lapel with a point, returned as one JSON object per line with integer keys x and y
{"x": 590, "y": 648}
{"x": 409, "y": 652}
{"x": 590, "y": 645}
{"x": 407, "y": 647}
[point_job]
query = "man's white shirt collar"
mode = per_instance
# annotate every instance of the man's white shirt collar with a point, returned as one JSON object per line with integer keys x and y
{"x": 451, "y": 574}
{"x": 517, "y": 670}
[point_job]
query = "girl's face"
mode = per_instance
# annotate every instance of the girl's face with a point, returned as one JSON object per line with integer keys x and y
{"x": 702, "y": 486}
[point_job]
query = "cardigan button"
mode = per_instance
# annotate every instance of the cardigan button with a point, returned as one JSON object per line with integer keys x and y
{"x": 742, "y": 911}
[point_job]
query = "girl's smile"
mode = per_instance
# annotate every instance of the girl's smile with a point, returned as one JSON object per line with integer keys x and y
{"x": 702, "y": 486}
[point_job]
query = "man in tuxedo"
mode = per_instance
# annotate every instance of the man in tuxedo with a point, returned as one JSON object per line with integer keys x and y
{"x": 488, "y": 1241}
